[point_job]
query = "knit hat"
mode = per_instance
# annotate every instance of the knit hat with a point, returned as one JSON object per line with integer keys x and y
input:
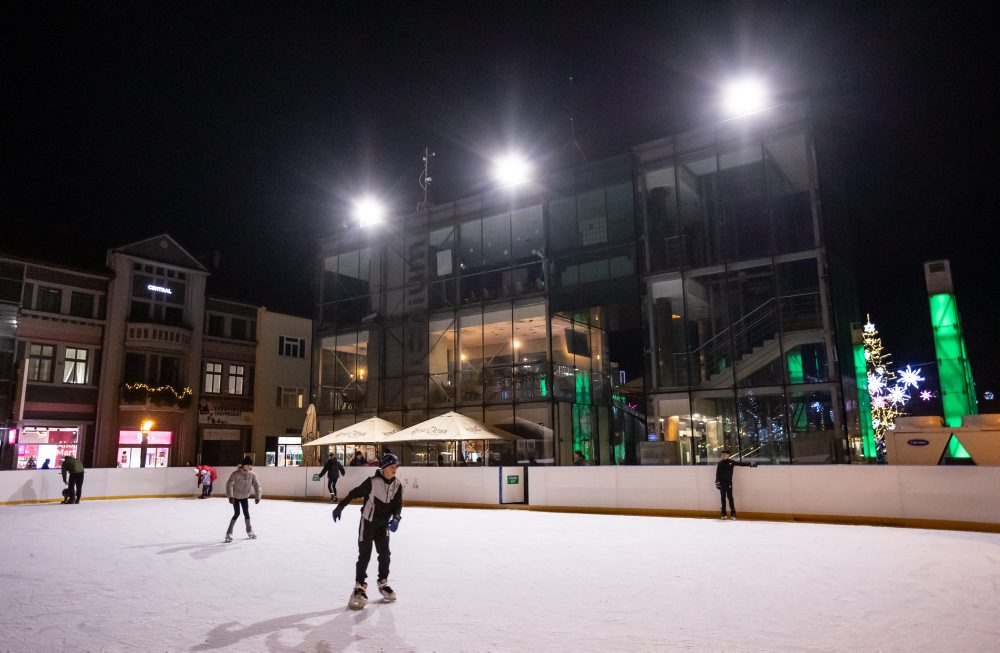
{"x": 247, "y": 460}
{"x": 387, "y": 460}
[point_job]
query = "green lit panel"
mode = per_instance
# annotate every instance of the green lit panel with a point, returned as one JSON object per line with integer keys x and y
{"x": 956, "y": 449}
{"x": 957, "y": 393}
{"x": 864, "y": 402}
{"x": 795, "y": 372}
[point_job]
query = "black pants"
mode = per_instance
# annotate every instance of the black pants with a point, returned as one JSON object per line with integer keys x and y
{"x": 331, "y": 485}
{"x": 246, "y": 508}
{"x": 379, "y": 536}
{"x": 75, "y": 487}
{"x": 727, "y": 491}
{"x": 206, "y": 490}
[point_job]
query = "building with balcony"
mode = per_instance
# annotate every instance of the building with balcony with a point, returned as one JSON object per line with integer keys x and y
{"x": 651, "y": 308}
{"x": 136, "y": 366}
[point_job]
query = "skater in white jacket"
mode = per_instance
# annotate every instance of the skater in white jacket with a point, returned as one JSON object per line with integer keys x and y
{"x": 242, "y": 484}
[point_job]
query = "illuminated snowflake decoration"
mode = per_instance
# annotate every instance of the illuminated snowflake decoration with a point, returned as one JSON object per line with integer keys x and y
{"x": 879, "y": 402}
{"x": 926, "y": 395}
{"x": 875, "y": 384}
{"x": 910, "y": 377}
{"x": 869, "y": 327}
{"x": 988, "y": 396}
{"x": 897, "y": 395}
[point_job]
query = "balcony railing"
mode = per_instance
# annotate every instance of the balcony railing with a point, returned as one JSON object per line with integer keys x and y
{"x": 157, "y": 335}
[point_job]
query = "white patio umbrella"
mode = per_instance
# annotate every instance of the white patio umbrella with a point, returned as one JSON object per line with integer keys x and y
{"x": 373, "y": 430}
{"x": 310, "y": 431}
{"x": 450, "y": 426}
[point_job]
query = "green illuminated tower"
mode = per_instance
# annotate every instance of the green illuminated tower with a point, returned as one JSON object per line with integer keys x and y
{"x": 958, "y": 395}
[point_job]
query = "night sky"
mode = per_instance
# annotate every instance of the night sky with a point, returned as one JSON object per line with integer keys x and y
{"x": 246, "y": 128}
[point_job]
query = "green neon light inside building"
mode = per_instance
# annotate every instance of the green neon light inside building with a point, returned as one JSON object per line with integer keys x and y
{"x": 957, "y": 393}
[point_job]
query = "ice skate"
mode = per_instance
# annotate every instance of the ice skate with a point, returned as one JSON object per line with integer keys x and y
{"x": 732, "y": 517}
{"x": 386, "y": 591}
{"x": 722, "y": 516}
{"x": 358, "y": 597}
{"x": 252, "y": 535}
{"x": 229, "y": 538}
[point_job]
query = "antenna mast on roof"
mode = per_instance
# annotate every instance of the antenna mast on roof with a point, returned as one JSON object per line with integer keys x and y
{"x": 425, "y": 181}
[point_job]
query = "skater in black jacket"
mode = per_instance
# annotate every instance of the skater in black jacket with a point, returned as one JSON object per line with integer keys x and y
{"x": 724, "y": 481}
{"x": 381, "y": 509}
{"x": 335, "y": 469}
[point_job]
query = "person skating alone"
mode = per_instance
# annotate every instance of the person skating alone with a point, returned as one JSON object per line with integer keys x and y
{"x": 381, "y": 510}
{"x": 335, "y": 470}
{"x": 242, "y": 484}
{"x": 724, "y": 481}
{"x": 74, "y": 469}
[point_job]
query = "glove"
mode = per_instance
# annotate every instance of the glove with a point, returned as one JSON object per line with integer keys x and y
{"x": 753, "y": 464}
{"x": 394, "y": 523}
{"x": 336, "y": 513}
{"x": 718, "y": 485}
{"x": 232, "y": 501}
{"x": 256, "y": 501}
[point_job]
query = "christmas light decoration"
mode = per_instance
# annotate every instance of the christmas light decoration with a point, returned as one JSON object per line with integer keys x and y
{"x": 178, "y": 396}
{"x": 926, "y": 395}
{"x": 887, "y": 393}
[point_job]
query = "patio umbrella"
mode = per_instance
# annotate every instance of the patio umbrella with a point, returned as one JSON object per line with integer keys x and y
{"x": 450, "y": 426}
{"x": 370, "y": 431}
{"x": 310, "y": 457}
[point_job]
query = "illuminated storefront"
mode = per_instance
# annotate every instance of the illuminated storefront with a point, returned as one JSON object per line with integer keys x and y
{"x": 36, "y": 444}
{"x": 138, "y": 449}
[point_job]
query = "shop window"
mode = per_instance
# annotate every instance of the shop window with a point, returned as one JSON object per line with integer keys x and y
{"x": 81, "y": 304}
{"x": 41, "y": 362}
{"x": 48, "y": 300}
{"x": 291, "y": 347}
{"x": 75, "y": 366}
{"x": 213, "y": 377}
{"x": 237, "y": 375}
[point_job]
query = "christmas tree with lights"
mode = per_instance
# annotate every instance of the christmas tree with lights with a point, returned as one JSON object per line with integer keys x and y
{"x": 887, "y": 392}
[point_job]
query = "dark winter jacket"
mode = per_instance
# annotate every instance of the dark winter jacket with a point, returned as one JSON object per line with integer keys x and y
{"x": 724, "y": 471}
{"x": 71, "y": 465}
{"x": 382, "y": 499}
{"x": 334, "y": 467}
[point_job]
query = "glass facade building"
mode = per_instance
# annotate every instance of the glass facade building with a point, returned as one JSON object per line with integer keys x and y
{"x": 651, "y": 308}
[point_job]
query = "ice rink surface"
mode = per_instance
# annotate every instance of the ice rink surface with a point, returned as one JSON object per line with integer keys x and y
{"x": 154, "y": 575}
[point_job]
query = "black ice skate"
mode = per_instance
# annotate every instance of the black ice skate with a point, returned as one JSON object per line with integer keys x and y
{"x": 386, "y": 591}
{"x": 358, "y": 597}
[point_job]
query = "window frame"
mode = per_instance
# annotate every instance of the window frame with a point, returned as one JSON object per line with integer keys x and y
{"x": 73, "y": 365}
{"x": 35, "y": 362}
{"x": 212, "y": 378}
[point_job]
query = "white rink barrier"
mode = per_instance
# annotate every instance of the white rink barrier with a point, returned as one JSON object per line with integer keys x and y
{"x": 942, "y": 497}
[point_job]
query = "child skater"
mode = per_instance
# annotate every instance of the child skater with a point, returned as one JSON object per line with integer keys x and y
{"x": 241, "y": 485}
{"x": 382, "y": 496}
{"x": 206, "y": 483}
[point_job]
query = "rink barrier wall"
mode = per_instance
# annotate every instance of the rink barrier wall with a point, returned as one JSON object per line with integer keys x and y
{"x": 957, "y": 498}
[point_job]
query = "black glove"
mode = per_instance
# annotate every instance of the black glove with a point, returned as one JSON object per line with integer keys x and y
{"x": 394, "y": 523}
{"x": 718, "y": 485}
{"x": 232, "y": 501}
{"x": 336, "y": 513}
{"x": 753, "y": 464}
{"x": 256, "y": 501}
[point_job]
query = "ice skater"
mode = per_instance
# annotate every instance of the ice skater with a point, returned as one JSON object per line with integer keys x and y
{"x": 205, "y": 481}
{"x": 74, "y": 469}
{"x": 381, "y": 509}
{"x": 241, "y": 485}
{"x": 336, "y": 470}
{"x": 724, "y": 481}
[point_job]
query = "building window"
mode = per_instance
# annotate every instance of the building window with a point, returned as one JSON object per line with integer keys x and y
{"x": 291, "y": 347}
{"x": 48, "y": 300}
{"x": 75, "y": 367}
{"x": 216, "y": 326}
{"x": 81, "y": 304}
{"x": 238, "y": 329}
{"x": 237, "y": 373}
{"x": 41, "y": 362}
{"x": 289, "y": 397}
{"x": 213, "y": 377}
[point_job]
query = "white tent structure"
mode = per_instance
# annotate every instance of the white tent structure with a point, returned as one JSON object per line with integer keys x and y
{"x": 450, "y": 426}
{"x": 373, "y": 430}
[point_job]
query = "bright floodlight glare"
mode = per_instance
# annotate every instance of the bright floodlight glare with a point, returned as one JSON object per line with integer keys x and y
{"x": 512, "y": 169}
{"x": 368, "y": 211}
{"x": 744, "y": 96}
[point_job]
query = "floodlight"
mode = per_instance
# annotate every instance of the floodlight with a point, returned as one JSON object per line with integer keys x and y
{"x": 368, "y": 211}
{"x": 512, "y": 169}
{"x": 744, "y": 96}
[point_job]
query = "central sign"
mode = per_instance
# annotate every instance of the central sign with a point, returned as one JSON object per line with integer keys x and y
{"x": 160, "y": 289}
